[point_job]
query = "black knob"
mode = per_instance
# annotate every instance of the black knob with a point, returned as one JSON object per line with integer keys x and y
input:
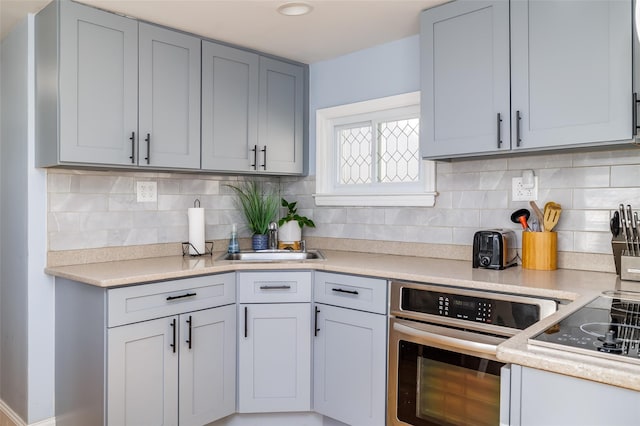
{"x": 485, "y": 261}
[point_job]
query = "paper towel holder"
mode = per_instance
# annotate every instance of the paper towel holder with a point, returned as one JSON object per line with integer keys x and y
{"x": 208, "y": 249}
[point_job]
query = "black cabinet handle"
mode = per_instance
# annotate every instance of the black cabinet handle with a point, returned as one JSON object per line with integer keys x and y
{"x": 316, "y": 329}
{"x": 181, "y": 296}
{"x": 133, "y": 147}
{"x": 499, "y": 131}
{"x": 245, "y": 322}
{"x": 189, "y": 340}
{"x": 518, "y": 119}
{"x": 255, "y": 157}
{"x": 173, "y": 326}
{"x": 634, "y": 115}
{"x": 341, "y": 290}
{"x": 275, "y": 287}
{"x": 264, "y": 153}
{"x": 148, "y": 141}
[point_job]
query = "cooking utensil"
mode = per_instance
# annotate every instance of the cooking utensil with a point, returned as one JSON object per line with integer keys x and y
{"x": 614, "y": 224}
{"x": 539, "y": 214}
{"x": 521, "y": 216}
{"x": 551, "y": 215}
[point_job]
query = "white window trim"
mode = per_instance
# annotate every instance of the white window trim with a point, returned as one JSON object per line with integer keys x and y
{"x": 326, "y": 194}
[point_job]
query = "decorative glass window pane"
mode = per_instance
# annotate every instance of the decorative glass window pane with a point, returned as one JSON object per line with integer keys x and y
{"x": 355, "y": 154}
{"x": 398, "y": 151}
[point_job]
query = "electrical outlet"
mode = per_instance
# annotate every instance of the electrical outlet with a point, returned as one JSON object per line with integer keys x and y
{"x": 147, "y": 191}
{"x": 520, "y": 193}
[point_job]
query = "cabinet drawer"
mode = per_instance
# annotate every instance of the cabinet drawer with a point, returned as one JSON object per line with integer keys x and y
{"x": 350, "y": 291}
{"x": 148, "y": 301}
{"x": 274, "y": 287}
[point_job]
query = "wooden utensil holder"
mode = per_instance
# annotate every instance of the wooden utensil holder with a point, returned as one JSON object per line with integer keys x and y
{"x": 540, "y": 250}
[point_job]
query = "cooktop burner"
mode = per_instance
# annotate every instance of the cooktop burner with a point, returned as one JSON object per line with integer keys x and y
{"x": 608, "y": 327}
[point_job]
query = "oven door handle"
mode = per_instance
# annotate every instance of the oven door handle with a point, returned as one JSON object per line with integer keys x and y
{"x": 448, "y": 338}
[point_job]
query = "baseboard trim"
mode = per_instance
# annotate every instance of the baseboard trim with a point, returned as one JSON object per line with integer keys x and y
{"x": 6, "y": 411}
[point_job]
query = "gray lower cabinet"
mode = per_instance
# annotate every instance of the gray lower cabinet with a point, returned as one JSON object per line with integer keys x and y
{"x": 252, "y": 112}
{"x": 542, "y": 398}
{"x": 274, "y": 343}
{"x": 161, "y": 353}
{"x": 545, "y": 75}
{"x": 101, "y": 74}
{"x": 349, "y": 348}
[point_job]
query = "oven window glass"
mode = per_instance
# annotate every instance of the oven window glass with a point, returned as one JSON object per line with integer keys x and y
{"x": 439, "y": 387}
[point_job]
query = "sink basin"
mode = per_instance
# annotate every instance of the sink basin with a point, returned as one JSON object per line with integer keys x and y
{"x": 273, "y": 256}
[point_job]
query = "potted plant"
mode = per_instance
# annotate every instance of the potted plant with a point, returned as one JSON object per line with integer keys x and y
{"x": 290, "y": 226}
{"x": 260, "y": 208}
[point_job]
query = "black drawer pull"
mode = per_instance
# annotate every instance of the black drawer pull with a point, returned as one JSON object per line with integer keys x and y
{"x": 181, "y": 296}
{"x": 275, "y": 287}
{"x": 341, "y": 290}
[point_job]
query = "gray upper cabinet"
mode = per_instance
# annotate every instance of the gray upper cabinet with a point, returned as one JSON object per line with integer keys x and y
{"x": 169, "y": 120}
{"x": 252, "y": 112}
{"x": 280, "y": 117}
{"x": 98, "y": 114}
{"x": 571, "y": 72}
{"x": 229, "y": 107}
{"x": 465, "y": 78}
{"x": 95, "y": 97}
{"x": 569, "y": 78}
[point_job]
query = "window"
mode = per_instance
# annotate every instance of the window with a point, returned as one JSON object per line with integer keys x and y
{"x": 368, "y": 154}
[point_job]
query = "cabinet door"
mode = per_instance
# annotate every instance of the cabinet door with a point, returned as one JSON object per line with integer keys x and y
{"x": 571, "y": 72}
{"x": 169, "y": 99}
{"x": 569, "y": 401}
{"x": 274, "y": 371}
{"x": 281, "y": 117}
{"x": 98, "y": 86}
{"x": 350, "y": 365}
{"x": 229, "y": 108}
{"x": 142, "y": 373}
{"x": 465, "y": 79}
{"x": 207, "y": 365}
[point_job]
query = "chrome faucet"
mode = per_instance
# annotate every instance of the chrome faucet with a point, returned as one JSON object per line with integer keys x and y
{"x": 273, "y": 236}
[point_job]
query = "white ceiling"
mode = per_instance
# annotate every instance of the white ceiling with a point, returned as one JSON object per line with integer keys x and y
{"x": 334, "y": 27}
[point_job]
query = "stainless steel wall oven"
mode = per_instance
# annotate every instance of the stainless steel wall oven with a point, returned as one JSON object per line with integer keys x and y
{"x": 442, "y": 352}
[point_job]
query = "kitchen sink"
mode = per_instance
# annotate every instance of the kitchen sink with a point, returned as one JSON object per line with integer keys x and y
{"x": 273, "y": 256}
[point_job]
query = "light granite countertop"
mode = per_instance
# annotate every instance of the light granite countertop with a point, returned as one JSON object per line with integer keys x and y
{"x": 573, "y": 286}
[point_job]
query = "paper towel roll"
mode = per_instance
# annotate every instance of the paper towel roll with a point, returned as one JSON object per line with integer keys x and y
{"x": 196, "y": 230}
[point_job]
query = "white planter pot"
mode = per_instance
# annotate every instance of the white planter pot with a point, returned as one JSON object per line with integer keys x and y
{"x": 290, "y": 232}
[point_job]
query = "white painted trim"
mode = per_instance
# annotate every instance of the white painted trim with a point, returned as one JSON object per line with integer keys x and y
{"x": 327, "y": 195}
{"x": 364, "y": 200}
{"x": 17, "y": 421}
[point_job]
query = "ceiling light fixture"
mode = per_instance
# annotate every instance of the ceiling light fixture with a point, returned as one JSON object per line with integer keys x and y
{"x": 295, "y": 9}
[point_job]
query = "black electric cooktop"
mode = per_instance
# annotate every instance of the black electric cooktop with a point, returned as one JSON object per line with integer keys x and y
{"x": 608, "y": 327}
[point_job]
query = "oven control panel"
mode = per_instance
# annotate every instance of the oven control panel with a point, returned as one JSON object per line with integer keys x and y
{"x": 473, "y": 310}
{"x": 501, "y": 311}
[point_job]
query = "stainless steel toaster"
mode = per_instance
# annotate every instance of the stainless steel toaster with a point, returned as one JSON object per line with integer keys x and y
{"x": 494, "y": 249}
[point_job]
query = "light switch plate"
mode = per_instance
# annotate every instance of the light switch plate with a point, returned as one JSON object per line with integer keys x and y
{"x": 147, "y": 191}
{"x": 520, "y": 193}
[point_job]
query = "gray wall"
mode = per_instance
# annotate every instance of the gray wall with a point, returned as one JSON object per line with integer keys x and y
{"x": 26, "y": 293}
{"x": 13, "y": 269}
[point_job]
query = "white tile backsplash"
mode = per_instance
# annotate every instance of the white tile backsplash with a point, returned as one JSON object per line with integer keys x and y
{"x": 99, "y": 209}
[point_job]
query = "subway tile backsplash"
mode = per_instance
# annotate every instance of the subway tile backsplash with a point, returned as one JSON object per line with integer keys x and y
{"x": 89, "y": 209}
